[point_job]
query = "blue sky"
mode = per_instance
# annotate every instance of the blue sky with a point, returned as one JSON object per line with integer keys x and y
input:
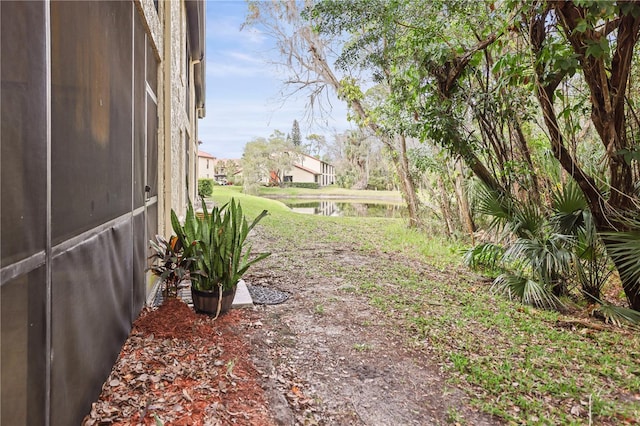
{"x": 243, "y": 91}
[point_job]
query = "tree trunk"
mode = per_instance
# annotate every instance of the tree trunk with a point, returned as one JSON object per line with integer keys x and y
{"x": 607, "y": 89}
{"x": 462, "y": 149}
{"x": 516, "y": 132}
{"x": 447, "y": 78}
{"x": 463, "y": 202}
{"x": 445, "y": 207}
{"x": 363, "y": 180}
{"x": 598, "y": 204}
{"x": 407, "y": 186}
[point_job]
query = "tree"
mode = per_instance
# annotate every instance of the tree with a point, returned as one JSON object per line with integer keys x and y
{"x": 462, "y": 75}
{"x": 360, "y": 161}
{"x": 230, "y": 168}
{"x": 317, "y": 144}
{"x": 444, "y": 74}
{"x": 306, "y": 59}
{"x": 265, "y": 161}
{"x": 357, "y": 148}
{"x": 597, "y": 39}
{"x": 442, "y": 187}
{"x": 425, "y": 58}
{"x": 296, "y": 138}
{"x": 255, "y": 164}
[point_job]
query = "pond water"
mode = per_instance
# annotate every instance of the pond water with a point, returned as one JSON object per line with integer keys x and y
{"x": 349, "y": 208}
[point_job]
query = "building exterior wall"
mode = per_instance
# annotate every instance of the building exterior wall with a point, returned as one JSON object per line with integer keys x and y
{"x": 180, "y": 114}
{"x": 219, "y": 169}
{"x": 325, "y": 171}
{"x": 206, "y": 166}
{"x": 328, "y": 174}
{"x": 300, "y": 175}
{"x": 94, "y": 150}
{"x": 310, "y": 163}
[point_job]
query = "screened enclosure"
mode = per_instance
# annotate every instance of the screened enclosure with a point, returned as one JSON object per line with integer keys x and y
{"x": 79, "y": 199}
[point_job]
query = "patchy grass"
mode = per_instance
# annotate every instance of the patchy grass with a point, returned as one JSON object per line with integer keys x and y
{"x": 362, "y": 347}
{"x": 516, "y": 362}
{"x": 319, "y": 309}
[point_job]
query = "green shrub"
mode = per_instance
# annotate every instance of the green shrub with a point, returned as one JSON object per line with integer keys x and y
{"x": 308, "y": 185}
{"x": 379, "y": 183}
{"x": 205, "y": 187}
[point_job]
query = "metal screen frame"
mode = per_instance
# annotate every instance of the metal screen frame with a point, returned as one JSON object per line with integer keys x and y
{"x": 69, "y": 300}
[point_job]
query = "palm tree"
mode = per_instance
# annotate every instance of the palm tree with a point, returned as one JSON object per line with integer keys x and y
{"x": 571, "y": 216}
{"x": 535, "y": 260}
{"x": 542, "y": 259}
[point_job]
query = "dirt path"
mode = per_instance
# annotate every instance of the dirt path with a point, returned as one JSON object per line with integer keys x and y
{"x": 329, "y": 358}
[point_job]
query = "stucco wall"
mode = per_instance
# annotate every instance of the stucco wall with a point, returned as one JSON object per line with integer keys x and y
{"x": 325, "y": 170}
{"x": 177, "y": 130}
{"x": 311, "y": 163}
{"x": 151, "y": 21}
{"x": 205, "y": 172}
{"x": 300, "y": 175}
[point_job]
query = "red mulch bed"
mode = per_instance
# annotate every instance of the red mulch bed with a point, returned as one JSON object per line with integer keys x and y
{"x": 182, "y": 368}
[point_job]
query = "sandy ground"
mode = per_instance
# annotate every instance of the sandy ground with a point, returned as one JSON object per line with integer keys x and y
{"x": 327, "y": 357}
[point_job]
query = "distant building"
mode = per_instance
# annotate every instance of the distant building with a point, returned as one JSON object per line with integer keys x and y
{"x": 219, "y": 169}
{"x": 309, "y": 169}
{"x": 227, "y": 170}
{"x": 206, "y": 165}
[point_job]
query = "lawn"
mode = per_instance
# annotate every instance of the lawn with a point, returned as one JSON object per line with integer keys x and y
{"x": 521, "y": 364}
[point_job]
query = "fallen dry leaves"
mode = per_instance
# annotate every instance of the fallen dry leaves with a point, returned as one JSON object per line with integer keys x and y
{"x": 181, "y": 368}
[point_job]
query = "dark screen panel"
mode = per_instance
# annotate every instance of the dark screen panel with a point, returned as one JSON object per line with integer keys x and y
{"x": 91, "y": 114}
{"x": 23, "y": 145}
{"x": 23, "y": 349}
{"x": 140, "y": 94}
{"x": 152, "y": 230}
{"x": 91, "y": 317}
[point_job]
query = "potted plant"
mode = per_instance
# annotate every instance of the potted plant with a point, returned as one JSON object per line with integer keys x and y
{"x": 170, "y": 264}
{"x": 217, "y": 241}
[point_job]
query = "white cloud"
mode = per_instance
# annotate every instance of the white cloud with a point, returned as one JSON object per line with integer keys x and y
{"x": 225, "y": 25}
{"x": 215, "y": 70}
{"x": 243, "y": 57}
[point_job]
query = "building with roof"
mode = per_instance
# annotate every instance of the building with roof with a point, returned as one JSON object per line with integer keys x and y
{"x": 308, "y": 169}
{"x": 222, "y": 170}
{"x": 206, "y": 165}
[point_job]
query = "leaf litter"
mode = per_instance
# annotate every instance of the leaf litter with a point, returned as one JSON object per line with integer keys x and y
{"x": 181, "y": 368}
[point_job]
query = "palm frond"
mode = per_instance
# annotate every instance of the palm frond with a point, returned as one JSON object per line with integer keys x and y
{"x": 618, "y": 315}
{"x": 497, "y": 206}
{"x": 526, "y": 290}
{"x": 624, "y": 249}
{"x": 486, "y": 255}
{"x": 548, "y": 258}
{"x": 569, "y": 207}
{"x": 528, "y": 221}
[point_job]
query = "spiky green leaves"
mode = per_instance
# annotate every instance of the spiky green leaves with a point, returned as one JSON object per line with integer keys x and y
{"x": 217, "y": 240}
